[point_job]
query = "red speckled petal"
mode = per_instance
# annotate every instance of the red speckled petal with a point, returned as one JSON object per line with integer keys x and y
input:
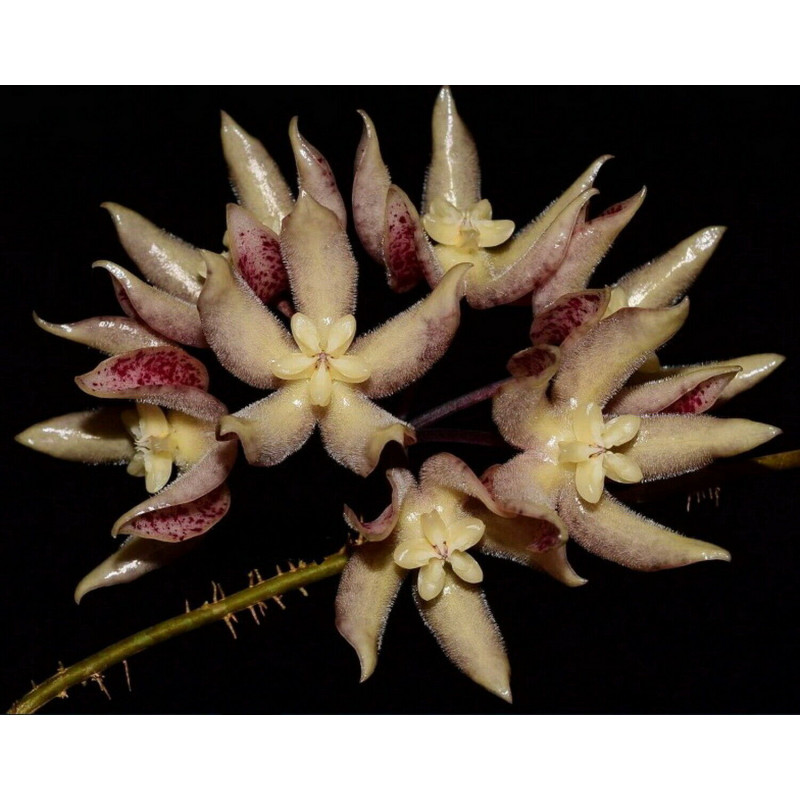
{"x": 256, "y": 254}
{"x": 402, "y": 482}
{"x": 257, "y": 181}
{"x": 176, "y": 319}
{"x": 531, "y": 361}
{"x": 555, "y": 323}
{"x": 408, "y": 345}
{"x": 165, "y": 260}
{"x": 110, "y": 335}
{"x": 314, "y": 174}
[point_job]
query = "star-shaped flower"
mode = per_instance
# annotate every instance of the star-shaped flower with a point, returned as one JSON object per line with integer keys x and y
{"x": 322, "y": 374}
{"x": 429, "y": 526}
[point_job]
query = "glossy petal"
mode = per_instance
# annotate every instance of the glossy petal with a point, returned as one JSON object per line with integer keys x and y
{"x": 462, "y": 623}
{"x": 340, "y": 336}
{"x": 171, "y": 317}
{"x": 320, "y": 386}
{"x": 413, "y": 554}
{"x": 589, "y": 375}
{"x": 466, "y": 567}
{"x": 407, "y": 346}
{"x": 667, "y": 278}
{"x": 610, "y": 530}
{"x": 322, "y": 271}
{"x": 273, "y": 428}
{"x": 110, "y": 335}
{"x": 165, "y": 260}
{"x": 350, "y": 369}
{"x": 314, "y": 174}
{"x": 619, "y": 430}
{"x": 256, "y": 179}
{"x": 249, "y": 348}
{"x": 621, "y": 468}
{"x": 590, "y": 478}
{"x": 91, "y": 436}
{"x": 588, "y": 424}
{"x": 256, "y": 254}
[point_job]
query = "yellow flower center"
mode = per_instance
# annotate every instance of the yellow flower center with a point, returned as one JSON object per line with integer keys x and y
{"x": 322, "y": 358}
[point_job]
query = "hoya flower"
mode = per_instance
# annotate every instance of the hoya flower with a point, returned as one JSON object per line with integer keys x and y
{"x": 321, "y": 373}
{"x": 456, "y": 225}
{"x": 576, "y": 440}
{"x": 433, "y": 528}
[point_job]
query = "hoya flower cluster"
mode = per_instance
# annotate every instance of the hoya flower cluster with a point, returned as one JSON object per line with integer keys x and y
{"x": 587, "y": 406}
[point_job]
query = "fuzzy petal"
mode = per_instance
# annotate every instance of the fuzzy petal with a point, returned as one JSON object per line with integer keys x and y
{"x": 454, "y": 172}
{"x": 322, "y": 270}
{"x": 250, "y": 347}
{"x": 532, "y": 361}
{"x": 110, "y": 335}
{"x": 135, "y": 558}
{"x": 94, "y": 437}
{"x": 671, "y": 444}
{"x": 402, "y": 483}
{"x": 165, "y": 260}
{"x": 171, "y": 317}
{"x": 567, "y": 314}
{"x": 462, "y": 623}
{"x": 407, "y": 346}
{"x": 273, "y": 428}
{"x": 314, "y": 174}
{"x": 667, "y": 278}
{"x": 256, "y": 179}
{"x": 355, "y": 430}
{"x": 588, "y": 374}
{"x": 610, "y": 530}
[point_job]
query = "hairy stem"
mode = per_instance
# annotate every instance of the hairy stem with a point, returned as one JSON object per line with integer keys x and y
{"x": 94, "y": 665}
{"x": 459, "y": 404}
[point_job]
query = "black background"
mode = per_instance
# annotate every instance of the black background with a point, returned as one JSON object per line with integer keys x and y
{"x": 707, "y": 638}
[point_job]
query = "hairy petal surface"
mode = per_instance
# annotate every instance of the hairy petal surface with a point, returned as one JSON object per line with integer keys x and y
{"x": 110, "y": 335}
{"x": 245, "y": 336}
{"x": 407, "y": 346}
{"x": 165, "y": 260}
{"x": 402, "y": 483}
{"x": 568, "y": 313}
{"x": 610, "y": 530}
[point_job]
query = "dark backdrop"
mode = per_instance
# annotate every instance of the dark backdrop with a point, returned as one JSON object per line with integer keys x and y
{"x": 707, "y": 638}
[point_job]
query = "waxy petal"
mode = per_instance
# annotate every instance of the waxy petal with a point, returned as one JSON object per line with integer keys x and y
{"x": 250, "y": 347}
{"x": 256, "y": 254}
{"x": 91, "y": 436}
{"x": 110, "y": 335}
{"x": 165, "y": 260}
{"x": 620, "y": 430}
{"x": 272, "y": 429}
{"x": 413, "y": 554}
{"x": 567, "y": 314}
{"x": 135, "y": 558}
{"x": 355, "y": 430}
{"x": 621, "y": 468}
{"x": 340, "y": 336}
{"x": 665, "y": 279}
{"x": 314, "y": 174}
{"x": 590, "y": 479}
{"x": 407, "y": 346}
{"x": 370, "y": 184}
{"x": 466, "y": 567}
{"x": 610, "y": 530}
{"x": 256, "y": 179}
{"x": 402, "y": 483}
{"x": 462, "y": 623}
{"x": 454, "y": 172}
{"x": 430, "y": 579}
{"x": 174, "y": 318}
{"x": 367, "y": 589}
{"x": 321, "y": 267}
{"x": 588, "y": 374}
{"x": 670, "y": 444}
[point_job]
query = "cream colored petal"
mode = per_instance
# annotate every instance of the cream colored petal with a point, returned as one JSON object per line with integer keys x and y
{"x": 249, "y": 348}
{"x": 165, "y": 260}
{"x": 152, "y": 421}
{"x": 620, "y": 430}
{"x": 370, "y": 185}
{"x": 603, "y": 359}
{"x": 590, "y": 478}
{"x": 91, "y": 436}
{"x": 413, "y": 554}
{"x": 671, "y": 444}
{"x": 355, "y": 430}
{"x": 273, "y": 428}
{"x": 430, "y": 579}
{"x": 442, "y": 230}
{"x": 610, "y": 530}
{"x": 158, "y": 468}
{"x": 341, "y": 335}
{"x": 257, "y": 181}
{"x": 314, "y": 174}
{"x": 350, "y": 369}
{"x": 190, "y": 438}
{"x": 306, "y": 334}
{"x": 587, "y": 423}
{"x": 493, "y": 232}
{"x": 367, "y": 589}
{"x": 465, "y": 533}
{"x": 321, "y": 267}
{"x": 434, "y": 529}
{"x": 753, "y": 370}
{"x": 136, "y": 466}
{"x": 466, "y": 567}
{"x": 481, "y": 211}
{"x": 406, "y": 347}
{"x": 621, "y": 468}
{"x": 667, "y": 278}
{"x": 293, "y": 366}
{"x": 403, "y": 486}
{"x": 575, "y": 452}
{"x": 454, "y": 173}
{"x": 110, "y": 335}
{"x": 462, "y": 623}
{"x": 319, "y": 386}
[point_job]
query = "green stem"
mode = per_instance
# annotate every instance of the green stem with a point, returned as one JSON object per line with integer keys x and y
{"x": 96, "y": 664}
